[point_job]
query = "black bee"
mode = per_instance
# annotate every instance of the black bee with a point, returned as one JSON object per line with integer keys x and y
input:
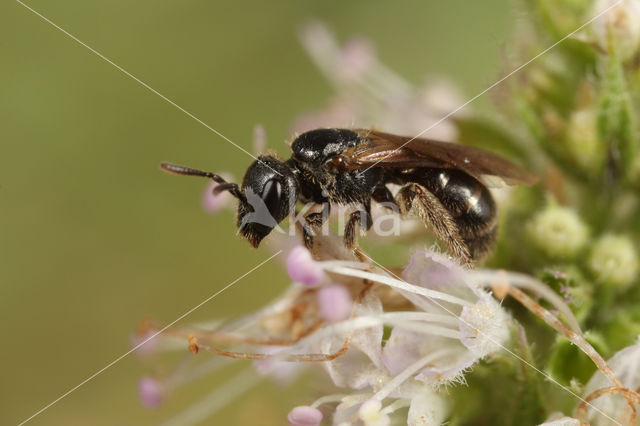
{"x": 445, "y": 184}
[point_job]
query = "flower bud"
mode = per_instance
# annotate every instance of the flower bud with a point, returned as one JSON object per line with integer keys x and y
{"x": 302, "y": 268}
{"x": 614, "y": 261}
{"x": 619, "y": 26}
{"x": 334, "y": 302}
{"x": 305, "y": 416}
{"x": 370, "y": 414}
{"x": 583, "y": 144}
{"x": 151, "y": 392}
{"x": 558, "y": 231}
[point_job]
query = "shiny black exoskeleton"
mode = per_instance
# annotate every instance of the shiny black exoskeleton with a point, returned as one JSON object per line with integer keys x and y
{"x": 336, "y": 166}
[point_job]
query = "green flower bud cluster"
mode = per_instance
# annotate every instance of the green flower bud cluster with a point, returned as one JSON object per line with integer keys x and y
{"x": 614, "y": 261}
{"x": 572, "y": 116}
{"x": 578, "y": 107}
{"x": 558, "y": 232}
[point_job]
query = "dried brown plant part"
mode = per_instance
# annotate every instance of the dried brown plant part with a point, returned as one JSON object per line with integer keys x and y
{"x": 502, "y": 281}
{"x": 291, "y": 318}
{"x": 630, "y": 395}
{"x": 317, "y": 357}
{"x": 572, "y": 336}
{"x": 224, "y": 338}
{"x": 290, "y": 358}
{"x": 194, "y": 346}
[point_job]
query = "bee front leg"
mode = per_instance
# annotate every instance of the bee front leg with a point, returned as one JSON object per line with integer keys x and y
{"x": 414, "y": 198}
{"x": 313, "y": 222}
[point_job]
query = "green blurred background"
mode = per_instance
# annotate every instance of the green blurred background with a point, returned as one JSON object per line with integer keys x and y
{"x": 95, "y": 237}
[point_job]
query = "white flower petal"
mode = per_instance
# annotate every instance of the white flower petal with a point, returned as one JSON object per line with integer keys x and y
{"x": 427, "y": 409}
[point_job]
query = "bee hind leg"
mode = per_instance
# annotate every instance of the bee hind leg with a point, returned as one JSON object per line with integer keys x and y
{"x": 414, "y": 198}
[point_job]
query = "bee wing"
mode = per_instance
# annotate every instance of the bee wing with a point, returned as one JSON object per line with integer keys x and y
{"x": 387, "y": 150}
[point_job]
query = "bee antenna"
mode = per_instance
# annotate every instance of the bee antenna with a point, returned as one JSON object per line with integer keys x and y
{"x": 188, "y": 171}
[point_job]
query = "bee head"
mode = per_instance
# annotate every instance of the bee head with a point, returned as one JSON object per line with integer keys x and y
{"x": 269, "y": 191}
{"x": 267, "y": 195}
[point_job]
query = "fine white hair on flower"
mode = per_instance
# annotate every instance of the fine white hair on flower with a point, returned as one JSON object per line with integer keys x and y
{"x": 482, "y": 326}
{"x": 463, "y": 323}
{"x": 443, "y": 296}
{"x": 626, "y": 365}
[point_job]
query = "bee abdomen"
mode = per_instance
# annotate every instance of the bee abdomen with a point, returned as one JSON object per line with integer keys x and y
{"x": 471, "y": 206}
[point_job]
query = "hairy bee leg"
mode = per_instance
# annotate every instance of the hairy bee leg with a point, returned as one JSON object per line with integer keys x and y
{"x": 416, "y": 199}
{"x": 360, "y": 218}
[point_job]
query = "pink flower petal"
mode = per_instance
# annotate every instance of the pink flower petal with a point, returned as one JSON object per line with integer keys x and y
{"x": 302, "y": 268}
{"x": 334, "y": 302}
